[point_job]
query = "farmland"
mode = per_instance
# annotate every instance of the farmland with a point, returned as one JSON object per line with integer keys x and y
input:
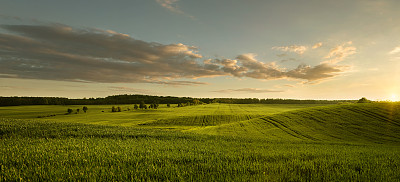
{"x": 213, "y": 142}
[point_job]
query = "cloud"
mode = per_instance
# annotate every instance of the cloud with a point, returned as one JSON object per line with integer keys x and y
{"x": 172, "y": 6}
{"x": 246, "y": 65}
{"x": 319, "y": 72}
{"x": 12, "y": 88}
{"x": 317, "y": 45}
{"x": 292, "y": 48}
{"x": 289, "y": 85}
{"x": 340, "y": 52}
{"x": 248, "y": 90}
{"x": 60, "y": 52}
{"x": 182, "y": 83}
{"x": 395, "y": 50}
{"x": 289, "y": 60}
{"x": 18, "y": 18}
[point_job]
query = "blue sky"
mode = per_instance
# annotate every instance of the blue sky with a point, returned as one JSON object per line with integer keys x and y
{"x": 264, "y": 49}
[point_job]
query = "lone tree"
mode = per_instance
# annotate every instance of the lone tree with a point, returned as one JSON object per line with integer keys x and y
{"x": 142, "y": 105}
{"x": 84, "y": 109}
{"x": 363, "y": 100}
{"x": 69, "y": 111}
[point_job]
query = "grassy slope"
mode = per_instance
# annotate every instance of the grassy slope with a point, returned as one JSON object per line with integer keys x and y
{"x": 173, "y": 116}
{"x": 373, "y": 122}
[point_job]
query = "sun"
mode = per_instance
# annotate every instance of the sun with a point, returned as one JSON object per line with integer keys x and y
{"x": 394, "y": 98}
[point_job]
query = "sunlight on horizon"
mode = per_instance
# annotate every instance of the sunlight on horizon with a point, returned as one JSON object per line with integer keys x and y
{"x": 394, "y": 98}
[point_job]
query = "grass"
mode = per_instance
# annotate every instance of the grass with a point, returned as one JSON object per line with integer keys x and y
{"x": 370, "y": 122}
{"x": 357, "y": 142}
{"x": 139, "y": 117}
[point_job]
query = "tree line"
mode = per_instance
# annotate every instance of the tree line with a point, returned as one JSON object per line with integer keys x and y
{"x": 148, "y": 99}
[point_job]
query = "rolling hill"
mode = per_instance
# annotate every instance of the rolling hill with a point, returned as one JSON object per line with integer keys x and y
{"x": 369, "y": 122}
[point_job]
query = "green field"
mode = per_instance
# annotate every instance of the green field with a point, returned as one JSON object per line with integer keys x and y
{"x": 214, "y": 142}
{"x": 163, "y": 116}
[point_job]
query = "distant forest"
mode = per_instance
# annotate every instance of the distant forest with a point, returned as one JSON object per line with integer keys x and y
{"x": 148, "y": 99}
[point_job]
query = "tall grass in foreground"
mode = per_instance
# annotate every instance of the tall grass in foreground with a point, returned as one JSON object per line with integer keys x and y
{"x": 40, "y": 150}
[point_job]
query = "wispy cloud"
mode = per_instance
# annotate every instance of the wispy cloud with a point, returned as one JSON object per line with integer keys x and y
{"x": 12, "y": 87}
{"x": 292, "y": 48}
{"x": 289, "y": 60}
{"x": 182, "y": 83}
{"x": 289, "y": 85}
{"x": 248, "y": 90}
{"x": 317, "y": 45}
{"x": 19, "y": 19}
{"x": 132, "y": 90}
{"x": 340, "y": 52}
{"x": 395, "y": 50}
{"x": 172, "y": 6}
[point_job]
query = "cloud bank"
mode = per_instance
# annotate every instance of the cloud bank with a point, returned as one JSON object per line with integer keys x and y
{"x": 246, "y": 65}
{"x": 60, "y": 52}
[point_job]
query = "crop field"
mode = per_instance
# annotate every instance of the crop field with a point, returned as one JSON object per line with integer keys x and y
{"x": 213, "y": 142}
{"x": 173, "y": 116}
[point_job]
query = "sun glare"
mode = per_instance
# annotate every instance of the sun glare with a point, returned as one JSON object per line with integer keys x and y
{"x": 394, "y": 98}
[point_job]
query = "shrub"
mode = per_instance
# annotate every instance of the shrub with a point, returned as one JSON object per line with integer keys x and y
{"x": 69, "y": 111}
{"x": 363, "y": 100}
{"x": 84, "y": 109}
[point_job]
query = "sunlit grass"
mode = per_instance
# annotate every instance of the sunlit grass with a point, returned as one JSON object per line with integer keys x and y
{"x": 217, "y": 142}
{"x": 101, "y": 114}
{"x": 54, "y": 151}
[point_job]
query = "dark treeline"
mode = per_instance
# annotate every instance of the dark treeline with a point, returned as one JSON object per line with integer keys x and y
{"x": 137, "y": 99}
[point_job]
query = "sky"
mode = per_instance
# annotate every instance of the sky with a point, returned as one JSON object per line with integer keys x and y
{"x": 292, "y": 49}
